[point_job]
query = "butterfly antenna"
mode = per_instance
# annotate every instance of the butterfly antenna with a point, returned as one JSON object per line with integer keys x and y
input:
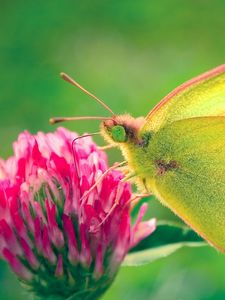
{"x": 62, "y": 119}
{"x": 73, "y": 82}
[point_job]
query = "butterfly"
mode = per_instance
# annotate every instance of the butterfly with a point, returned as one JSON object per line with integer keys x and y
{"x": 177, "y": 152}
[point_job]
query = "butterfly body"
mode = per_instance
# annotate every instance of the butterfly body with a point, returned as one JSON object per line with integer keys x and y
{"x": 178, "y": 153}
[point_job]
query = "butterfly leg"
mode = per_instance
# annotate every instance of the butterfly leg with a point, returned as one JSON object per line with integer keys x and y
{"x": 106, "y": 147}
{"x": 113, "y": 206}
{"x": 136, "y": 198}
{"x": 115, "y": 166}
{"x": 129, "y": 176}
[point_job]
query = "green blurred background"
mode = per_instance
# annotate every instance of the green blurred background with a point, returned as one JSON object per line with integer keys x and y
{"x": 129, "y": 53}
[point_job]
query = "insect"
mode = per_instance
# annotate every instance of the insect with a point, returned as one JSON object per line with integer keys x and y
{"x": 177, "y": 152}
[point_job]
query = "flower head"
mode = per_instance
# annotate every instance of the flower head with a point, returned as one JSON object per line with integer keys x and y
{"x": 58, "y": 236}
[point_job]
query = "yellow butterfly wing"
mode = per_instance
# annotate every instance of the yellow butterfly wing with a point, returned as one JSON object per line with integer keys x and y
{"x": 186, "y": 171}
{"x": 201, "y": 96}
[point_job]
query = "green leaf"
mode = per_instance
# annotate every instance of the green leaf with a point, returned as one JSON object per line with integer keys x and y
{"x": 167, "y": 238}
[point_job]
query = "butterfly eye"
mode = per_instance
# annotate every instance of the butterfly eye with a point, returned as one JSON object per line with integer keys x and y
{"x": 119, "y": 134}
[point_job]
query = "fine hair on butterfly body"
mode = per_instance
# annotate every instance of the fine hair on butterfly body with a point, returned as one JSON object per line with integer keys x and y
{"x": 177, "y": 152}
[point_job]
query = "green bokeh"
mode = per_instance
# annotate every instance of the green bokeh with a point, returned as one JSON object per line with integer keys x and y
{"x": 129, "y": 53}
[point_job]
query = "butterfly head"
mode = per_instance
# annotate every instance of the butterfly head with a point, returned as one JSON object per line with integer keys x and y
{"x": 122, "y": 129}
